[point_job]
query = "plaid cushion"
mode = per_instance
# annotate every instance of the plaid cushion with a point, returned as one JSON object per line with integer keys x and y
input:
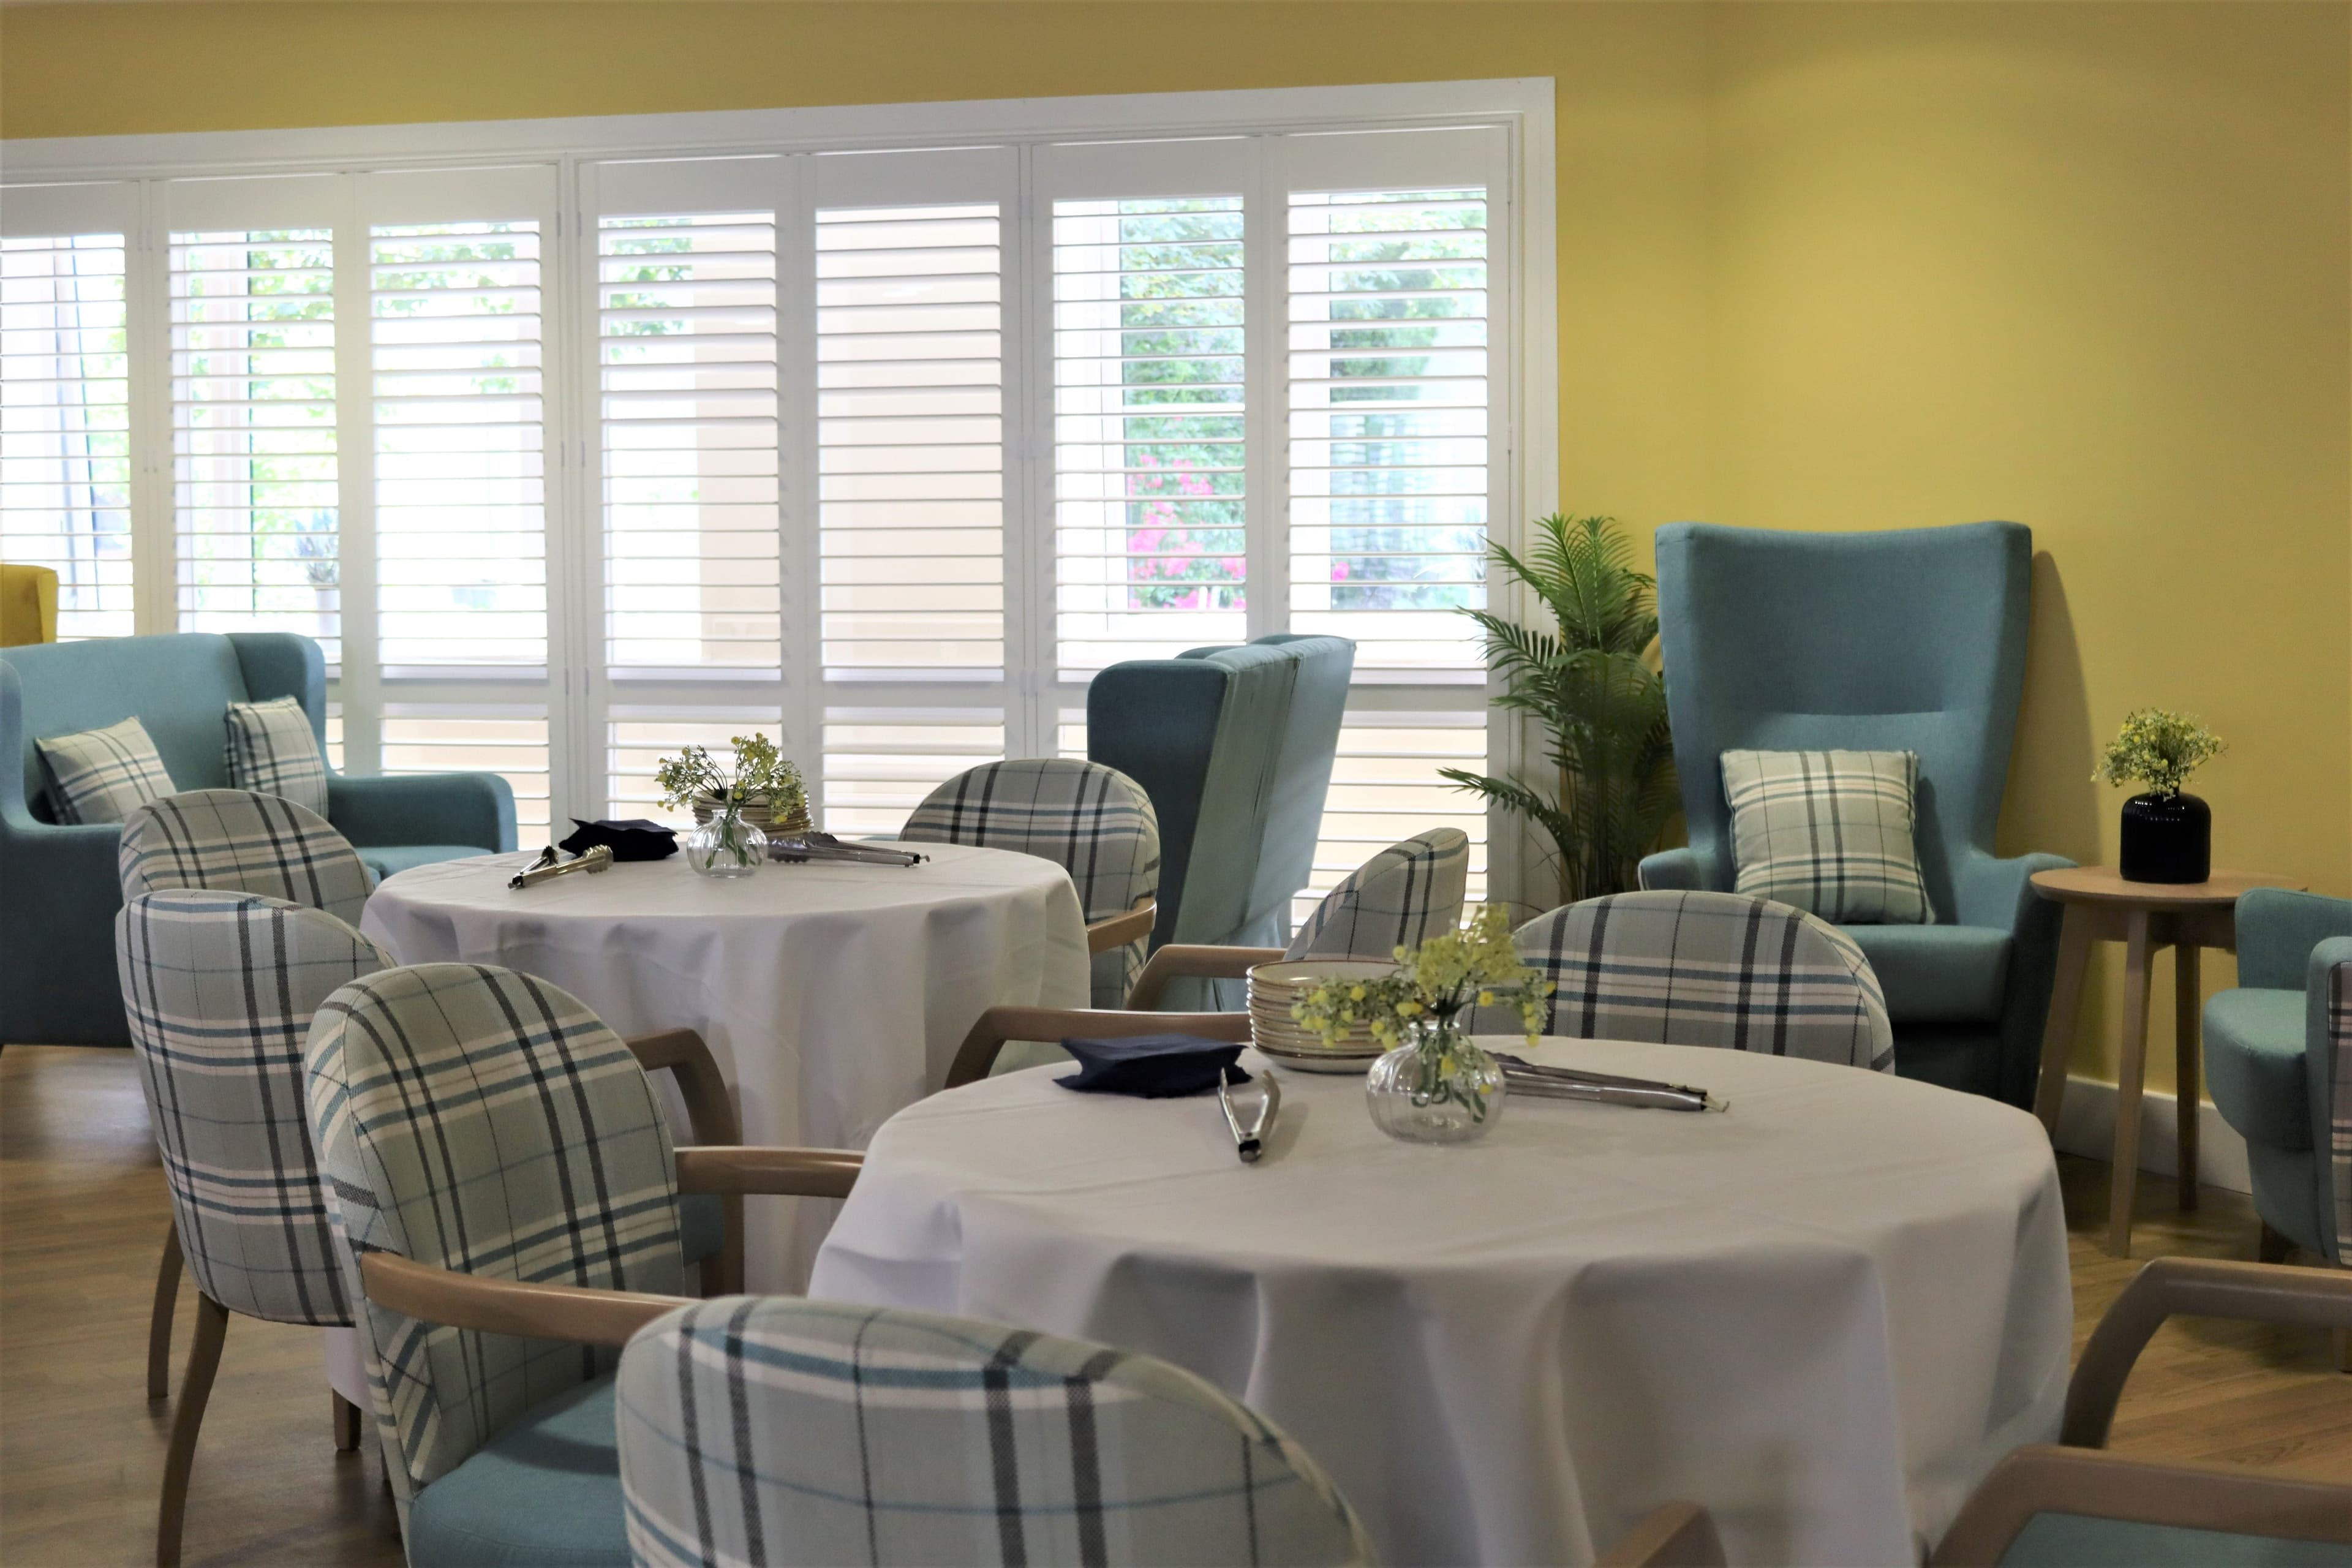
{"x": 103, "y": 776}
{"x": 1708, "y": 969}
{"x": 231, "y": 840}
{"x": 1094, "y": 821}
{"x": 272, "y": 749}
{"x": 220, "y": 988}
{"x": 1828, "y": 831}
{"x": 2339, "y": 1110}
{"x": 484, "y": 1121}
{"x": 1399, "y": 896}
{"x": 773, "y": 1430}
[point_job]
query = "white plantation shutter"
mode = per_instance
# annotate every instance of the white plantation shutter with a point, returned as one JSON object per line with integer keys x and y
{"x": 507, "y": 739}
{"x": 255, "y": 492}
{"x": 1385, "y": 788}
{"x": 879, "y": 763}
{"x": 637, "y": 739}
{"x": 65, "y": 423}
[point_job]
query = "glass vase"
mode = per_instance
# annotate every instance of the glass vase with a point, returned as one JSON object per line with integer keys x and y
{"x": 726, "y": 845}
{"x": 1436, "y": 1088}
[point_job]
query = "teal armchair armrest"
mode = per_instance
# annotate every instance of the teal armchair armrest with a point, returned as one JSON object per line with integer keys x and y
{"x": 2277, "y": 930}
{"x": 424, "y": 808}
{"x": 1672, "y": 871}
{"x": 1991, "y": 891}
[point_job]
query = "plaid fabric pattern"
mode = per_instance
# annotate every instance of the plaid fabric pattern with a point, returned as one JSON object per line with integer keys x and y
{"x": 1094, "y": 821}
{"x": 2339, "y": 1110}
{"x": 1828, "y": 831}
{"x": 272, "y": 749}
{"x": 758, "y": 1431}
{"x": 1404, "y": 893}
{"x": 103, "y": 776}
{"x": 483, "y": 1121}
{"x": 220, "y": 988}
{"x": 232, "y": 840}
{"x": 1708, "y": 969}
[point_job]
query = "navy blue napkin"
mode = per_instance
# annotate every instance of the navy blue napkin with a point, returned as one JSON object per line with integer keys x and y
{"x": 633, "y": 839}
{"x": 1152, "y": 1067}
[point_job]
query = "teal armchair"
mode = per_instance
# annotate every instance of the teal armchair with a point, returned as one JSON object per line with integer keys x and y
{"x": 2278, "y": 1061}
{"x": 1906, "y": 640}
{"x": 58, "y": 887}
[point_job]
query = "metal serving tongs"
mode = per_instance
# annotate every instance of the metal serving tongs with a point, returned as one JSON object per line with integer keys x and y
{"x": 550, "y": 864}
{"x": 813, "y": 845}
{"x": 1249, "y": 1138}
{"x": 1524, "y": 1077}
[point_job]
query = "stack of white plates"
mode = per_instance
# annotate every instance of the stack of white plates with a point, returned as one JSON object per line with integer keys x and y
{"x": 1273, "y": 987}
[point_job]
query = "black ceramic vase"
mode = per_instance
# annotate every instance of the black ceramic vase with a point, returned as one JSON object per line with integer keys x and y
{"x": 2168, "y": 838}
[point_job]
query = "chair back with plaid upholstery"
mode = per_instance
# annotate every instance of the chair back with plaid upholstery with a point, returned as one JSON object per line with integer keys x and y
{"x": 1404, "y": 893}
{"x": 1092, "y": 820}
{"x": 220, "y": 988}
{"x": 772, "y": 1430}
{"x": 483, "y": 1121}
{"x": 235, "y": 840}
{"x": 1709, "y": 969}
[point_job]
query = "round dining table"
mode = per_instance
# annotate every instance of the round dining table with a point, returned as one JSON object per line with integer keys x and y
{"x": 1823, "y": 1312}
{"x": 831, "y": 995}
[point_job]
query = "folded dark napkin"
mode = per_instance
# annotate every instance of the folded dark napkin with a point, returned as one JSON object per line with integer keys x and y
{"x": 634, "y": 840}
{"x": 1153, "y": 1066}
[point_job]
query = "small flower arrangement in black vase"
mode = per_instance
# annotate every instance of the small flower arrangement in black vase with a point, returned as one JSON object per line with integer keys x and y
{"x": 2168, "y": 835}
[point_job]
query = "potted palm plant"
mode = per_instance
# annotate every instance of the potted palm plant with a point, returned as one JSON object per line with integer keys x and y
{"x": 1586, "y": 681}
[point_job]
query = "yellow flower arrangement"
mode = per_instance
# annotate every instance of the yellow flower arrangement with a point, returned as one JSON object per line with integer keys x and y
{"x": 1432, "y": 983}
{"x": 2157, "y": 748}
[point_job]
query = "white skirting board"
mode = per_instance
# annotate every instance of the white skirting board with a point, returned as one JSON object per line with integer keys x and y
{"x": 2086, "y": 1126}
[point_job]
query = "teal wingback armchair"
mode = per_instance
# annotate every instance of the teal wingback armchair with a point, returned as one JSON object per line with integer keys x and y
{"x": 1905, "y": 640}
{"x": 2278, "y": 1059}
{"x": 59, "y": 888}
{"x": 1235, "y": 747}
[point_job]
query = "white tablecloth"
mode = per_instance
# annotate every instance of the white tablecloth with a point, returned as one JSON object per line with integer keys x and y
{"x": 1823, "y": 1314}
{"x": 831, "y": 995}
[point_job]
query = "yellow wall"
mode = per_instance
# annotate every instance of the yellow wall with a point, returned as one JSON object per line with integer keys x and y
{"x": 1828, "y": 266}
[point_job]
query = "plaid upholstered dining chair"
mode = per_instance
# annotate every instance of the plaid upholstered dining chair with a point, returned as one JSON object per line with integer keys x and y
{"x": 761, "y": 1431}
{"x": 1406, "y": 892}
{"x": 1707, "y": 969}
{"x": 1093, "y": 821}
{"x": 504, "y": 1195}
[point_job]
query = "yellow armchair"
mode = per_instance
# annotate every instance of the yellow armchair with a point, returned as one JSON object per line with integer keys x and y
{"x": 28, "y": 605}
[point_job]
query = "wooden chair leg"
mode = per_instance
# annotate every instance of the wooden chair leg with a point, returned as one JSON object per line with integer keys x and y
{"x": 347, "y": 1424}
{"x": 204, "y": 1360}
{"x": 159, "y": 1326}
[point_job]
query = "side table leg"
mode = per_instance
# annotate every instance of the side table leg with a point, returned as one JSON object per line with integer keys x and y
{"x": 2131, "y": 1072}
{"x": 2187, "y": 1000}
{"x": 2065, "y": 1009}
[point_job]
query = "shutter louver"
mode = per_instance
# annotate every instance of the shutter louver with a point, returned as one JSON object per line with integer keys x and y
{"x": 880, "y": 763}
{"x": 1388, "y": 422}
{"x": 637, "y": 739}
{"x": 507, "y": 740}
{"x": 65, "y": 425}
{"x": 460, "y": 459}
{"x": 255, "y": 495}
{"x": 1385, "y": 787}
{"x": 1148, "y": 427}
{"x": 910, "y": 450}
{"x": 691, "y": 476}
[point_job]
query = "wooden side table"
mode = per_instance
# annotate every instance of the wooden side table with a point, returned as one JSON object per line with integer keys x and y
{"x": 2144, "y": 916}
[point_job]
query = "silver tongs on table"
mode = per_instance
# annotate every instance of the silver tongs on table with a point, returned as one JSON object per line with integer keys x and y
{"x": 824, "y": 847}
{"x": 550, "y": 865}
{"x": 1521, "y": 1076}
{"x": 1249, "y": 1135}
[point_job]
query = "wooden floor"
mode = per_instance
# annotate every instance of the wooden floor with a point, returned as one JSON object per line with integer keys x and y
{"x": 83, "y": 1212}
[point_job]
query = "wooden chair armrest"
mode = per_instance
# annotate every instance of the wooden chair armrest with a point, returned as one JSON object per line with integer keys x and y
{"x": 2197, "y": 1288}
{"x": 1194, "y": 961}
{"x": 509, "y": 1306}
{"x": 1670, "y": 1535}
{"x": 998, "y": 1025}
{"x": 1117, "y": 930}
{"x": 708, "y": 1112}
{"x": 771, "y": 1173}
{"x": 2088, "y": 1481}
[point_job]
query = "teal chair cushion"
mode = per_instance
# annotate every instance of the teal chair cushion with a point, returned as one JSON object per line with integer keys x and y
{"x": 1939, "y": 974}
{"x": 547, "y": 1490}
{"x": 2077, "y": 1540}
{"x": 384, "y": 859}
{"x": 2254, "y": 1066}
{"x": 2286, "y": 1195}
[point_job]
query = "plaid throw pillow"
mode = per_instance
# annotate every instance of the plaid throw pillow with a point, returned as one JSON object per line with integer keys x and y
{"x": 272, "y": 749}
{"x": 1828, "y": 831}
{"x": 104, "y": 775}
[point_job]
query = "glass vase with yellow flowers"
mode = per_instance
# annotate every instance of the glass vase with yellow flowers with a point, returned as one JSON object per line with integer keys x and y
{"x": 1434, "y": 1085}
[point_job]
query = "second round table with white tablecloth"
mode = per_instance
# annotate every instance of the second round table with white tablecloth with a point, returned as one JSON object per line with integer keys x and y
{"x": 831, "y": 994}
{"x": 1825, "y": 1312}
